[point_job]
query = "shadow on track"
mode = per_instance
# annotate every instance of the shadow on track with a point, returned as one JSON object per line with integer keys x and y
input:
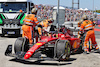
{"x": 39, "y": 62}
{"x": 70, "y": 59}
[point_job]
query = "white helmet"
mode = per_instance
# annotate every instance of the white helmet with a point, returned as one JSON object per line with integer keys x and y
{"x": 34, "y": 10}
{"x": 84, "y": 17}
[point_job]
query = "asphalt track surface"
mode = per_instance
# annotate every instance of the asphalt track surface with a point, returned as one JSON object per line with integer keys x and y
{"x": 76, "y": 60}
{"x": 97, "y": 31}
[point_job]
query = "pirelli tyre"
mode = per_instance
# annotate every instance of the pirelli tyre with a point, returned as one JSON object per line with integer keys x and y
{"x": 21, "y": 44}
{"x": 63, "y": 49}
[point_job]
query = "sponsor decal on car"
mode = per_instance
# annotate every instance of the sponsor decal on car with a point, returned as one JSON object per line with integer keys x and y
{"x": 38, "y": 43}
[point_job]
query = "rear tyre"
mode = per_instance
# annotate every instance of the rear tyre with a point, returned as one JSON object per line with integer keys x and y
{"x": 63, "y": 50}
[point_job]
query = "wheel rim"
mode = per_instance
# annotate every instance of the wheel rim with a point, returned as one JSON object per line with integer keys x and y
{"x": 67, "y": 47}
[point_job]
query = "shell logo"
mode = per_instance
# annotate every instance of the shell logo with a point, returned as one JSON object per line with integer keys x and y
{"x": 38, "y": 43}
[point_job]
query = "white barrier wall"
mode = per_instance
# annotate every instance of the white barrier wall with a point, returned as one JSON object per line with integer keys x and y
{"x": 61, "y": 18}
{"x": 73, "y": 26}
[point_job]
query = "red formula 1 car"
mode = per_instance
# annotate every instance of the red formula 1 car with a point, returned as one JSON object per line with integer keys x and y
{"x": 56, "y": 46}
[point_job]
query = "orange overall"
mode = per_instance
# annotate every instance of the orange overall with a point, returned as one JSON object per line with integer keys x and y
{"x": 87, "y": 26}
{"x": 44, "y": 24}
{"x": 27, "y": 32}
{"x": 30, "y": 22}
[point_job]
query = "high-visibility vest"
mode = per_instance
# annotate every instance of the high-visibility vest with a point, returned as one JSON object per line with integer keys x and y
{"x": 86, "y": 25}
{"x": 30, "y": 19}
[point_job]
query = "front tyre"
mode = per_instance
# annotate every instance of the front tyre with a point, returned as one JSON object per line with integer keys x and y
{"x": 21, "y": 44}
